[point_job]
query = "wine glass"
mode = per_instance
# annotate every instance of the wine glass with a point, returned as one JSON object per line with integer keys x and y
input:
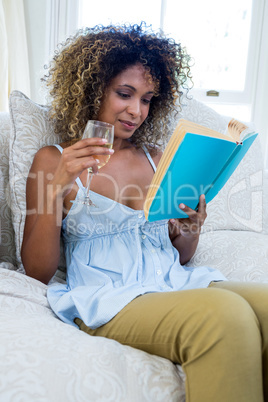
{"x": 100, "y": 129}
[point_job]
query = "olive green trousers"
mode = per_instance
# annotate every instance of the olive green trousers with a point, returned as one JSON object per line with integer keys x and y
{"x": 219, "y": 335}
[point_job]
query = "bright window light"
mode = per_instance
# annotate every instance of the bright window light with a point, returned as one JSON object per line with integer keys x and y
{"x": 216, "y": 34}
{"x": 120, "y": 11}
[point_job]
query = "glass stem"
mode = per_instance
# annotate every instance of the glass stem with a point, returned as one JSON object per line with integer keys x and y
{"x": 89, "y": 178}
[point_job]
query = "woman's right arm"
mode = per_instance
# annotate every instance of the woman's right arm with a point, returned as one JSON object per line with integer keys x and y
{"x": 41, "y": 240}
{"x": 51, "y": 178}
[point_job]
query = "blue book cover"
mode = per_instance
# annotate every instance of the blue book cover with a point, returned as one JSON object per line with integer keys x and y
{"x": 199, "y": 164}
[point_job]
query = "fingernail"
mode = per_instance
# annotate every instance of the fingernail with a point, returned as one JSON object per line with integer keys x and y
{"x": 182, "y": 206}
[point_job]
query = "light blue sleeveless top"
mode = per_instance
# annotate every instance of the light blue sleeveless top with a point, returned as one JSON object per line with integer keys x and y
{"x": 114, "y": 255}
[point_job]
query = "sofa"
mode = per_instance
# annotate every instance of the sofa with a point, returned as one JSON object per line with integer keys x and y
{"x": 44, "y": 359}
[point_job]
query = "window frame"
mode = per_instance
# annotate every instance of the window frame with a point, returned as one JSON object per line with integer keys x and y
{"x": 245, "y": 97}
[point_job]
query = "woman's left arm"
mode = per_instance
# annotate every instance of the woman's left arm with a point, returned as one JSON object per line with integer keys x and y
{"x": 184, "y": 233}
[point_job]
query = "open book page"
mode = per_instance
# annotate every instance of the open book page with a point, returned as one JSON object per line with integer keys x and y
{"x": 190, "y": 127}
{"x": 238, "y": 130}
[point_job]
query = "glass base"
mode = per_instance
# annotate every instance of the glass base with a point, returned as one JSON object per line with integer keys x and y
{"x": 85, "y": 201}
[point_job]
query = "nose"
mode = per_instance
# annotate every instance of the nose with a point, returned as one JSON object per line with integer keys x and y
{"x": 134, "y": 108}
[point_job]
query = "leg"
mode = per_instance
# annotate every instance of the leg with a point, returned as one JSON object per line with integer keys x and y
{"x": 213, "y": 333}
{"x": 256, "y": 294}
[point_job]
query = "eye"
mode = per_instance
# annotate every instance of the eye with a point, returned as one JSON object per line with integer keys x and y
{"x": 146, "y": 101}
{"x": 123, "y": 95}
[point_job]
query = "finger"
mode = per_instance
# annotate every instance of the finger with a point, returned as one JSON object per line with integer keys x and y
{"x": 178, "y": 223}
{"x": 73, "y": 153}
{"x": 76, "y": 166}
{"x": 95, "y": 168}
{"x": 80, "y": 164}
{"x": 202, "y": 204}
{"x": 98, "y": 150}
{"x": 189, "y": 211}
{"x": 185, "y": 227}
{"x": 85, "y": 142}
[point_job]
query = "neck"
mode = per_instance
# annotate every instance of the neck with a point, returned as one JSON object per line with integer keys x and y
{"x": 120, "y": 143}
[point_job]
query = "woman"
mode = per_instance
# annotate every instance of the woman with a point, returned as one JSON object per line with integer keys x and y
{"x": 125, "y": 276}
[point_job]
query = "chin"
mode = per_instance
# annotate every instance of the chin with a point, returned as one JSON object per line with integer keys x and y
{"x": 124, "y": 135}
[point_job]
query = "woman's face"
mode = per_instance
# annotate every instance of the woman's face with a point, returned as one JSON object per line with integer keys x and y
{"x": 127, "y": 101}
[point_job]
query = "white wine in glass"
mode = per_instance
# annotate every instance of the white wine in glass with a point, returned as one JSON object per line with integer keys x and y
{"x": 99, "y": 129}
{"x": 103, "y": 158}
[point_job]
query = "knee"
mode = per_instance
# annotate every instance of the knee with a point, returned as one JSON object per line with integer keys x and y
{"x": 229, "y": 310}
{"x": 223, "y": 316}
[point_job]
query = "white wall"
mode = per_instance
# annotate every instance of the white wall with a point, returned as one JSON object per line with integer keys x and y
{"x": 36, "y": 22}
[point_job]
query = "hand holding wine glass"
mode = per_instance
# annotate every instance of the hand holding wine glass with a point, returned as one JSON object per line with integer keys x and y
{"x": 97, "y": 129}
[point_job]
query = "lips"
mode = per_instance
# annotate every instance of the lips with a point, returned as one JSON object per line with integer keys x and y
{"x": 128, "y": 124}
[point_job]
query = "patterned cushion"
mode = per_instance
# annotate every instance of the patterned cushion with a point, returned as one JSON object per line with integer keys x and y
{"x": 31, "y": 130}
{"x": 7, "y": 245}
{"x": 239, "y": 255}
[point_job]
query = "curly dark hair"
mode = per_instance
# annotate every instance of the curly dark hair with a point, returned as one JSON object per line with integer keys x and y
{"x": 83, "y": 67}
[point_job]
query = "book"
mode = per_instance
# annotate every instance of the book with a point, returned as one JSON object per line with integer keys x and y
{"x": 197, "y": 160}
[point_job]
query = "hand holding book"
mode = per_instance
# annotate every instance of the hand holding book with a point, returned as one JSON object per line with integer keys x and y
{"x": 191, "y": 226}
{"x": 184, "y": 233}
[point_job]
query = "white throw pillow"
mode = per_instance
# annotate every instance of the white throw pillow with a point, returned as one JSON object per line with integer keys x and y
{"x": 31, "y": 130}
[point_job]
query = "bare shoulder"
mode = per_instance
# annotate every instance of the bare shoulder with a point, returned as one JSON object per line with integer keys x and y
{"x": 48, "y": 156}
{"x": 46, "y": 159}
